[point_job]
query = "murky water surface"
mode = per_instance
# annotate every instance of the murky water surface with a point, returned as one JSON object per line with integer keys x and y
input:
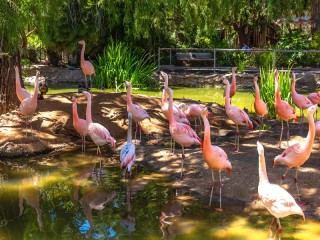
{"x": 66, "y": 195}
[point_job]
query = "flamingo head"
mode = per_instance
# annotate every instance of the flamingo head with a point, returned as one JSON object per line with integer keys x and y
{"x": 260, "y": 148}
{"x": 228, "y": 170}
{"x": 255, "y": 79}
{"x": 225, "y": 81}
{"x": 112, "y": 141}
{"x": 73, "y": 99}
{"x": 127, "y": 83}
{"x": 312, "y": 109}
{"x": 163, "y": 75}
{"x": 276, "y": 73}
{"x": 82, "y": 42}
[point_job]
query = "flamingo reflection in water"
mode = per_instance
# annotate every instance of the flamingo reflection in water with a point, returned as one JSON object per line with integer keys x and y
{"x": 28, "y": 190}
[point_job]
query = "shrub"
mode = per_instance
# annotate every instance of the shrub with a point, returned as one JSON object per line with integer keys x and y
{"x": 119, "y": 63}
{"x": 267, "y": 88}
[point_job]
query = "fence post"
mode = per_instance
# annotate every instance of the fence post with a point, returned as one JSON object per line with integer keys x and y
{"x": 214, "y": 60}
{"x": 274, "y": 58}
{"x": 170, "y": 56}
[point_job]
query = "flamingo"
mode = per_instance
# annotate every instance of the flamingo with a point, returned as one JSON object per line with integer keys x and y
{"x": 317, "y": 125}
{"x": 86, "y": 66}
{"x": 29, "y": 104}
{"x": 237, "y": 115}
{"x": 283, "y": 109}
{"x": 138, "y": 113}
{"x": 259, "y": 106}
{"x": 20, "y": 91}
{"x": 98, "y": 133}
{"x": 182, "y": 133}
{"x": 275, "y": 199}
{"x": 193, "y": 110}
{"x": 80, "y": 125}
{"x": 233, "y": 87}
{"x": 315, "y": 99}
{"x": 296, "y": 155}
{"x": 299, "y": 100}
{"x": 128, "y": 151}
{"x": 178, "y": 114}
{"x": 214, "y": 156}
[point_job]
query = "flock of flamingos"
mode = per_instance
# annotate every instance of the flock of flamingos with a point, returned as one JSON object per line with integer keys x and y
{"x": 276, "y": 199}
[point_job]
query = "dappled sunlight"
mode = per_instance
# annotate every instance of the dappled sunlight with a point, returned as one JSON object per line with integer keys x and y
{"x": 58, "y": 98}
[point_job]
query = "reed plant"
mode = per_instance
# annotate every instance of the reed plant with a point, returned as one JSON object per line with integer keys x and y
{"x": 267, "y": 88}
{"x": 119, "y": 63}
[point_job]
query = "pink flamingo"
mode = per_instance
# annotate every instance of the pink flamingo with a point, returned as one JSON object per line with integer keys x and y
{"x": 299, "y": 100}
{"x": 128, "y": 151}
{"x": 182, "y": 133}
{"x": 80, "y": 125}
{"x": 233, "y": 88}
{"x": 237, "y": 115}
{"x": 276, "y": 200}
{"x": 193, "y": 110}
{"x": 283, "y": 109}
{"x": 178, "y": 114}
{"x": 315, "y": 99}
{"x": 98, "y": 133}
{"x": 259, "y": 106}
{"x": 86, "y": 66}
{"x": 29, "y": 104}
{"x": 214, "y": 156}
{"x": 20, "y": 91}
{"x": 296, "y": 155}
{"x": 138, "y": 113}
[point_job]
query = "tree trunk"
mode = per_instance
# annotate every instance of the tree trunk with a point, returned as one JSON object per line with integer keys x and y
{"x": 8, "y": 97}
{"x": 315, "y": 15}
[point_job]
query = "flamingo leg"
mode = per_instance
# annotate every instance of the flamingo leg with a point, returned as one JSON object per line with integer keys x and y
{"x": 183, "y": 157}
{"x": 279, "y": 228}
{"x": 236, "y": 139}
{"x": 86, "y": 83}
{"x": 31, "y": 132}
{"x": 284, "y": 176}
{"x": 296, "y": 182}
{"x": 270, "y": 228}
{"x": 135, "y": 134}
{"x": 139, "y": 131}
{"x": 220, "y": 187}
{"x": 84, "y": 143}
{"x": 279, "y": 145}
{"x": 212, "y": 187}
{"x": 288, "y": 134}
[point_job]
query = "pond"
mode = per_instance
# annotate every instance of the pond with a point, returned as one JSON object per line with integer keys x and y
{"x": 67, "y": 195}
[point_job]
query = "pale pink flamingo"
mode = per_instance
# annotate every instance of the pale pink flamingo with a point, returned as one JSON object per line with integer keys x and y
{"x": 214, "y": 156}
{"x": 20, "y": 91}
{"x": 275, "y": 199}
{"x": 237, "y": 115}
{"x": 182, "y": 133}
{"x": 299, "y": 100}
{"x": 283, "y": 109}
{"x": 178, "y": 114}
{"x": 193, "y": 110}
{"x": 86, "y": 66}
{"x": 98, "y": 133}
{"x": 259, "y": 105}
{"x": 296, "y": 155}
{"x": 79, "y": 124}
{"x": 29, "y": 104}
{"x": 233, "y": 87}
{"x": 128, "y": 151}
{"x": 138, "y": 113}
{"x": 315, "y": 99}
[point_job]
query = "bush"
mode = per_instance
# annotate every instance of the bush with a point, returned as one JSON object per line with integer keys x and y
{"x": 119, "y": 63}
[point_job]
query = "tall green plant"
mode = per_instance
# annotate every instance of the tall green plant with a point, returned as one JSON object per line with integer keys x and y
{"x": 119, "y": 63}
{"x": 267, "y": 88}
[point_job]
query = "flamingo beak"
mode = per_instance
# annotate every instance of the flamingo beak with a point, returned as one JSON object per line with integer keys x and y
{"x": 228, "y": 170}
{"x": 274, "y": 163}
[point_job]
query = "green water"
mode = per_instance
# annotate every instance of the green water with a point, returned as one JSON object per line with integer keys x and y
{"x": 64, "y": 193}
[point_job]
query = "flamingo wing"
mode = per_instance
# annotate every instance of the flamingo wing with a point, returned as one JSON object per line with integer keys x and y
{"x": 295, "y": 148}
{"x": 127, "y": 156}
{"x": 184, "y": 131}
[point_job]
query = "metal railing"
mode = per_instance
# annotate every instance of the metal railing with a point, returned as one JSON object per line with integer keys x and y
{"x": 297, "y": 59}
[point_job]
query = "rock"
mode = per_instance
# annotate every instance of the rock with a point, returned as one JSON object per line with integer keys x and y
{"x": 306, "y": 81}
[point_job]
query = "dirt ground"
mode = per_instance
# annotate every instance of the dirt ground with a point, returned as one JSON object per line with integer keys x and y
{"x": 52, "y": 124}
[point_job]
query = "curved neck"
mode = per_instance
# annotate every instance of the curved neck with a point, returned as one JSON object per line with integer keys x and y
{"x": 293, "y": 87}
{"x": 170, "y": 109}
{"x": 82, "y": 52}
{"x": 207, "y": 137}
{"x": 227, "y": 97}
{"x": 75, "y": 111}
{"x": 18, "y": 83}
{"x": 129, "y": 100}
{"x": 263, "y": 177}
{"x": 257, "y": 91}
{"x": 164, "y": 97}
{"x": 277, "y": 90}
{"x": 88, "y": 111}
{"x": 129, "y": 134}
{"x": 234, "y": 80}
{"x": 312, "y": 130}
